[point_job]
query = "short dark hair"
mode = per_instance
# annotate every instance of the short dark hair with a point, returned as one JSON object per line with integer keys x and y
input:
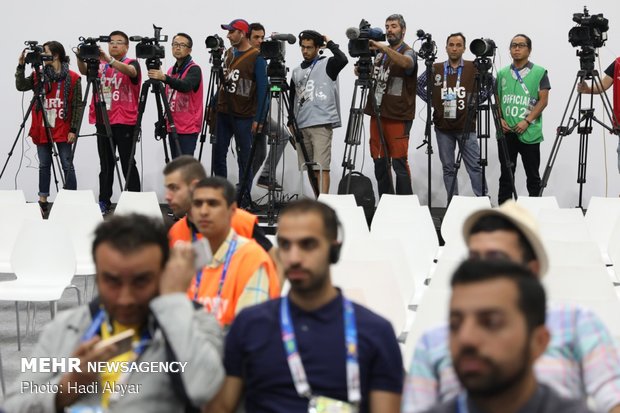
{"x": 190, "y": 168}
{"x": 120, "y": 33}
{"x": 527, "y": 39}
{"x": 187, "y": 36}
{"x": 399, "y": 18}
{"x": 57, "y": 49}
{"x": 255, "y": 27}
{"x": 492, "y": 223}
{"x": 456, "y": 34}
{"x": 327, "y": 214}
{"x": 532, "y": 301}
{"x": 217, "y": 182}
{"x": 129, "y": 233}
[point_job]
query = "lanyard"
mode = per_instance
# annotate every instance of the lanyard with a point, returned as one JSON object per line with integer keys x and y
{"x": 95, "y": 328}
{"x": 229, "y": 253}
{"x": 385, "y": 55}
{"x": 459, "y": 71}
{"x": 294, "y": 358}
{"x": 461, "y": 403}
{"x": 180, "y": 72}
{"x": 520, "y": 79}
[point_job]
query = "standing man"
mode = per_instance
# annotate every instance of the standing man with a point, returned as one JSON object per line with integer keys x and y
{"x": 612, "y": 77}
{"x": 396, "y": 72}
{"x": 315, "y": 100}
{"x": 523, "y": 92}
{"x": 240, "y": 101}
{"x": 497, "y": 331}
{"x": 184, "y": 91}
{"x": 452, "y": 89}
{"x": 313, "y": 347}
{"x": 120, "y": 82}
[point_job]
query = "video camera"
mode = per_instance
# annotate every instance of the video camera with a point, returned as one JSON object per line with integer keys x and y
{"x": 215, "y": 44}
{"x": 428, "y": 48}
{"x": 149, "y": 48}
{"x": 591, "y": 30}
{"x": 359, "y": 39}
{"x": 35, "y": 54}
{"x": 88, "y": 49}
{"x": 483, "y": 47}
{"x": 274, "y": 50}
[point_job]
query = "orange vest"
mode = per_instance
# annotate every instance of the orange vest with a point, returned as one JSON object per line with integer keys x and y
{"x": 247, "y": 258}
{"x": 242, "y": 222}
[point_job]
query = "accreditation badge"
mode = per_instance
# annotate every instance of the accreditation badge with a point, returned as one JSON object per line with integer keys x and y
{"x": 322, "y": 404}
{"x": 107, "y": 96}
{"x": 84, "y": 409}
{"x": 50, "y": 114}
{"x": 449, "y": 106}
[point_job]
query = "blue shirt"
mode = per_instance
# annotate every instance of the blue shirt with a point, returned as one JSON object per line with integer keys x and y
{"x": 255, "y": 353}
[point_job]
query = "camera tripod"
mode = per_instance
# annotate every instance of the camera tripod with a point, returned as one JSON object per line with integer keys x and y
{"x": 585, "y": 120}
{"x": 216, "y": 78}
{"x": 484, "y": 85}
{"x": 365, "y": 86}
{"x": 38, "y": 99}
{"x": 93, "y": 80}
{"x": 428, "y": 62}
{"x": 164, "y": 116}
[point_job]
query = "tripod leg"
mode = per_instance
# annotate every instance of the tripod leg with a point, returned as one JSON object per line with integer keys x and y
{"x": 137, "y": 133}
{"x": 19, "y": 132}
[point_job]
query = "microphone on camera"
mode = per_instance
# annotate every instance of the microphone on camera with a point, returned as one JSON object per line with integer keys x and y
{"x": 285, "y": 37}
{"x": 135, "y": 38}
{"x": 352, "y": 33}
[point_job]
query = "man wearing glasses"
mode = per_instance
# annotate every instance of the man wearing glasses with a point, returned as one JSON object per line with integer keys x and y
{"x": 120, "y": 83}
{"x": 184, "y": 92}
{"x": 523, "y": 91}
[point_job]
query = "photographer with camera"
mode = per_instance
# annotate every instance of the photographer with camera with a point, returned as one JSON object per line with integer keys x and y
{"x": 240, "y": 99}
{"x": 523, "y": 92}
{"x": 63, "y": 95}
{"x": 453, "y": 84}
{"x": 184, "y": 90}
{"x": 120, "y": 81}
{"x": 395, "y": 70}
{"x": 315, "y": 99}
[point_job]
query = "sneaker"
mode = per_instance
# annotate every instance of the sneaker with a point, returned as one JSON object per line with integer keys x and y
{"x": 104, "y": 207}
{"x": 263, "y": 182}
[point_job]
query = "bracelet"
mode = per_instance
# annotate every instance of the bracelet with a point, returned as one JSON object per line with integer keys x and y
{"x": 112, "y": 60}
{"x": 529, "y": 122}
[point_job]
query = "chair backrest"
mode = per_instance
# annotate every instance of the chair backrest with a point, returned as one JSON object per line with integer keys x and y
{"x": 563, "y": 224}
{"x": 336, "y": 200}
{"x": 613, "y": 250}
{"x": 52, "y": 246}
{"x": 144, "y": 203}
{"x": 82, "y": 196}
{"x": 12, "y": 196}
{"x": 12, "y": 216}
{"x": 535, "y": 203}
{"x": 390, "y": 201}
{"x": 460, "y": 208}
{"x": 601, "y": 218}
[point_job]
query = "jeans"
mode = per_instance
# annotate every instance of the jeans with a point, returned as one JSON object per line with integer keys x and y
{"x": 227, "y": 126}
{"x": 446, "y": 144}
{"x": 530, "y": 156}
{"x": 187, "y": 143}
{"x": 45, "y": 163}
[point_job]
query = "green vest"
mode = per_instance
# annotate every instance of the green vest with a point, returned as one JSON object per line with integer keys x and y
{"x": 515, "y": 102}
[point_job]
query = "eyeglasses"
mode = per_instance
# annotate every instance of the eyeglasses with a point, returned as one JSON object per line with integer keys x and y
{"x": 117, "y": 42}
{"x": 181, "y": 45}
{"x": 518, "y": 45}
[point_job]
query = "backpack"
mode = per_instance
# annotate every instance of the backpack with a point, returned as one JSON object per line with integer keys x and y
{"x": 361, "y": 188}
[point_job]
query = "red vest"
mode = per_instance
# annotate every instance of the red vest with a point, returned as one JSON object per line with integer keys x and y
{"x": 617, "y": 91}
{"x": 123, "y": 93}
{"x": 186, "y": 107}
{"x": 58, "y": 115}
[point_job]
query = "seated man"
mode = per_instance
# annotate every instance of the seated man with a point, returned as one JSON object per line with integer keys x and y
{"x": 581, "y": 359}
{"x": 497, "y": 331}
{"x": 139, "y": 288}
{"x": 240, "y": 273}
{"x": 313, "y": 350}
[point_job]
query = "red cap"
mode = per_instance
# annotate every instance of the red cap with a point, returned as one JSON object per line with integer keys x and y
{"x": 237, "y": 24}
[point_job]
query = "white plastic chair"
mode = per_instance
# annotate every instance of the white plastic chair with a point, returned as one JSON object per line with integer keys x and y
{"x": 12, "y": 196}
{"x": 46, "y": 277}
{"x": 82, "y": 196}
{"x": 388, "y": 202}
{"x": 144, "y": 203}
{"x": 564, "y": 224}
{"x": 337, "y": 201}
{"x": 460, "y": 208}
{"x": 535, "y": 203}
{"x": 12, "y": 216}
{"x": 601, "y": 218}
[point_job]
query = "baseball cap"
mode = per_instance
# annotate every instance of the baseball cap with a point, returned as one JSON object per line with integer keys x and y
{"x": 237, "y": 24}
{"x": 520, "y": 218}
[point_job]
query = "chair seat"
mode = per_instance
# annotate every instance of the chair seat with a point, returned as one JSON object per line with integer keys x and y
{"x": 19, "y": 291}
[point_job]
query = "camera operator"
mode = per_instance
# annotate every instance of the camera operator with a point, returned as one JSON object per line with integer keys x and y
{"x": 240, "y": 98}
{"x": 396, "y": 73}
{"x": 612, "y": 72}
{"x": 315, "y": 100}
{"x": 452, "y": 87}
{"x": 523, "y": 92}
{"x": 63, "y": 95}
{"x": 120, "y": 82}
{"x": 184, "y": 90}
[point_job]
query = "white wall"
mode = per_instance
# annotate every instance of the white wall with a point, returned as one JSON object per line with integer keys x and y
{"x": 546, "y": 22}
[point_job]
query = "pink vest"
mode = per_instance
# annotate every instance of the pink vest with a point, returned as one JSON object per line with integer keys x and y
{"x": 123, "y": 95}
{"x": 186, "y": 107}
{"x": 617, "y": 91}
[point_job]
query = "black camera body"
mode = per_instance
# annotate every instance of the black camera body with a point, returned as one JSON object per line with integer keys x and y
{"x": 483, "y": 47}
{"x": 360, "y": 46}
{"x": 428, "y": 48}
{"x": 88, "y": 49}
{"x": 35, "y": 53}
{"x": 149, "y": 48}
{"x": 273, "y": 50}
{"x": 591, "y": 30}
{"x": 214, "y": 42}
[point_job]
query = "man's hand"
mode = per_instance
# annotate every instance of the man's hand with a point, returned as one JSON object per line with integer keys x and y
{"x": 22, "y": 58}
{"x": 505, "y": 126}
{"x": 582, "y": 87}
{"x": 71, "y": 137}
{"x": 179, "y": 269}
{"x": 377, "y": 46}
{"x": 521, "y": 127}
{"x": 157, "y": 74}
{"x": 326, "y": 40}
{"x": 256, "y": 127}
{"x": 104, "y": 56}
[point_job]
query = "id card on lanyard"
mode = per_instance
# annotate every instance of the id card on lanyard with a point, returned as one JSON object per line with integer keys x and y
{"x": 322, "y": 404}
{"x": 450, "y": 99}
{"x": 107, "y": 89}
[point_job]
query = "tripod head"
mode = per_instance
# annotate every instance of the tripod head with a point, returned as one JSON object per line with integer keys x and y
{"x": 215, "y": 45}
{"x": 428, "y": 47}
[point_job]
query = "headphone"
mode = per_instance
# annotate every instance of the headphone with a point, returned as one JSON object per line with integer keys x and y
{"x": 319, "y": 41}
{"x": 334, "y": 249}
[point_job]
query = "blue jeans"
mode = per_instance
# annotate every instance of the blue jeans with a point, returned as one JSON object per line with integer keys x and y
{"x": 446, "y": 144}
{"x": 45, "y": 163}
{"x": 227, "y": 126}
{"x": 187, "y": 142}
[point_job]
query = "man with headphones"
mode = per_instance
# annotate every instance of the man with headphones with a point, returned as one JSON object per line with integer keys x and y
{"x": 315, "y": 100}
{"x": 338, "y": 354}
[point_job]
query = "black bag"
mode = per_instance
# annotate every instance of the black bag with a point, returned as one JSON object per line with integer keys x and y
{"x": 361, "y": 188}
